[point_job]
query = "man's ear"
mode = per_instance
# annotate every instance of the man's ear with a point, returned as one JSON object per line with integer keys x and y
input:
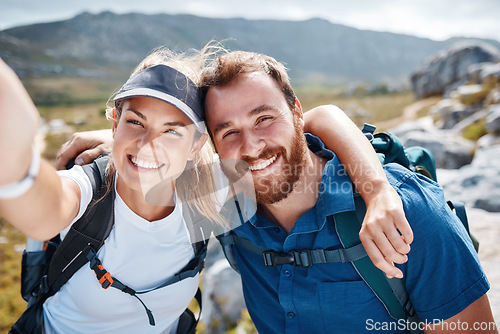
{"x": 298, "y": 112}
{"x": 197, "y": 145}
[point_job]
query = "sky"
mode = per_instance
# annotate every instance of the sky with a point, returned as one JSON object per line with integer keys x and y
{"x": 435, "y": 19}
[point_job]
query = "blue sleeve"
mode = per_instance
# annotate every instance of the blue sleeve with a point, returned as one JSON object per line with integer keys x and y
{"x": 443, "y": 274}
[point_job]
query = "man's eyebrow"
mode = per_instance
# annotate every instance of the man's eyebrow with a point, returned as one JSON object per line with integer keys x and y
{"x": 253, "y": 112}
{"x": 221, "y": 127}
{"x": 261, "y": 109}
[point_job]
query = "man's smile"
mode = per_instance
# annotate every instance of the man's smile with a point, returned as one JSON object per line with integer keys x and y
{"x": 263, "y": 164}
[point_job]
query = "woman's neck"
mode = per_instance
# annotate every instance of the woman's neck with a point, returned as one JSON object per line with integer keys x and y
{"x": 157, "y": 204}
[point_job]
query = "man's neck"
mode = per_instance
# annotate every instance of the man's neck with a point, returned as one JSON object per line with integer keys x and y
{"x": 303, "y": 197}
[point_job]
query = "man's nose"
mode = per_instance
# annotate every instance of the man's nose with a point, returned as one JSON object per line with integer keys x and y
{"x": 252, "y": 145}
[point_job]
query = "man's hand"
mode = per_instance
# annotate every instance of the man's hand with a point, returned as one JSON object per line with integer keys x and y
{"x": 84, "y": 147}
{"x": 386, "y": 234}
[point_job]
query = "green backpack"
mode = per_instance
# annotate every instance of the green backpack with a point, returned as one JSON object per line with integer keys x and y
{"x": 391, "y": 292}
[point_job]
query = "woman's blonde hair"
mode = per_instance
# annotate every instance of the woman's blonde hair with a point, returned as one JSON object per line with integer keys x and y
{"x": 195, "y": 186}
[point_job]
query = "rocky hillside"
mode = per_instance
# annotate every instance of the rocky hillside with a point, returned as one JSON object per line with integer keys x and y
{"x": 315, "y": 50}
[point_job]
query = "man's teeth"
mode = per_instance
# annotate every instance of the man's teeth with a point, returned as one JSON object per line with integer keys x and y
{"x": 145, "y": 164}
{"x": 263, "y": 164}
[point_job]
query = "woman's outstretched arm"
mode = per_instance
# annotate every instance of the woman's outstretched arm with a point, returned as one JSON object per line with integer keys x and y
{"x": 34, "y": 200}
{"x": 384, "y": 219}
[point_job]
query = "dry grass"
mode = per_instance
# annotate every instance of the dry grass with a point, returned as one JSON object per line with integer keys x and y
{"x": 369, "y": 108}
{"x": 11, "y": 303}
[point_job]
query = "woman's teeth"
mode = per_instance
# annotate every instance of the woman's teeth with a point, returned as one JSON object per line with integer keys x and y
{"x": 145, "y": 164}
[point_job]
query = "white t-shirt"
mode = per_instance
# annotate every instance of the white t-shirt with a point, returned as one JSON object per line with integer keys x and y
{"x": 142, "y": 255}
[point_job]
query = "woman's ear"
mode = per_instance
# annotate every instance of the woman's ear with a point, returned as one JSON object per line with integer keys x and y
{"x": 197, "y": 145}
{"x": 115, "y": 122}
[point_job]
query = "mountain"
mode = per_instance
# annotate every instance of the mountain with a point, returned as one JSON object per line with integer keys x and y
{"x": 316, "y": 51}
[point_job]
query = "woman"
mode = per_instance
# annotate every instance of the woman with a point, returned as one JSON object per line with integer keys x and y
{"x": 157, "y": 131}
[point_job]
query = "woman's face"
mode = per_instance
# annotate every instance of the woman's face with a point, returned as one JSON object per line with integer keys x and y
{"x": 153, "y": 141}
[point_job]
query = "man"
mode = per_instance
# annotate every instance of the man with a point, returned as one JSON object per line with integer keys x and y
{"x": 253, "y": 115}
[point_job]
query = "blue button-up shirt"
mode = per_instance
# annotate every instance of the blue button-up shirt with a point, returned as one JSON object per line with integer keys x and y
{"x": 332, "y": 297}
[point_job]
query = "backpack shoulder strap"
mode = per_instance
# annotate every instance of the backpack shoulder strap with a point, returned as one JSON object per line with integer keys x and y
{"x": 391, "y": 292}
{"x": 89, "y": 231}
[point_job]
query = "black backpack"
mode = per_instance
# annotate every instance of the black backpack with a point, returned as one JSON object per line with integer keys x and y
{"x": 45, "y": 272}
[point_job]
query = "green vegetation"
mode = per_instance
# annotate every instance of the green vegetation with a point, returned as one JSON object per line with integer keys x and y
{"x": 475, "y": 130}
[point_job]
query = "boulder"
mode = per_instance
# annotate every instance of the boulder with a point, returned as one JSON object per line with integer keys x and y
{"x": 492, "y": 122}
{"x": 470, "y": 94}
{"x": 477, "y": 184}
{"x": 448, "y": 112}
{"x": 223, "y": 299}
{"x": 493, "y": 97}
{"x": 450, "y": 150}
{"x": 487, "y": 141}
{"x": 448, "y": 69}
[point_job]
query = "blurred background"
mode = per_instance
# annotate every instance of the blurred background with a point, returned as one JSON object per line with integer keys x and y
{"x": 428, "y": 71}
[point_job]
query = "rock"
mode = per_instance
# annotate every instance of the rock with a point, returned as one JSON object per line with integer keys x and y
{"x": 487, "y": 140}
{"x": 470, "y": 94}
{"x": 223, "y": 299}
{"x": 472, "y": 119}
{"x": 477, "y": 184}
{"x": 448, "y": 68}
{"x": 449, "y": 112}
{"x": 484, "y": 72}
{"x": 424, "y": 124}
{"x": 450, "y": 151}
{"x": 493, "y": 97}
{"x": 485, "y": 227}
{"x": 492, "y": 122}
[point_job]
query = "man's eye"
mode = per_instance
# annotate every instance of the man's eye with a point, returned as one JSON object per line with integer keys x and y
{"x": 264, "y": 119}
{"x": 229, "y": 133}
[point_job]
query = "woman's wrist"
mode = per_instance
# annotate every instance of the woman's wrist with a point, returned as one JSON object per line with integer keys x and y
{"x": 21, "y": 186}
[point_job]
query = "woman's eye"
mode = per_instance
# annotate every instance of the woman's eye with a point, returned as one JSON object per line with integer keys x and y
{"x": 133, "y": 121}
{"x": 173, "y": 132}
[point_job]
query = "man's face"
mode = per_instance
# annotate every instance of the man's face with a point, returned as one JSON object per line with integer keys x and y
{"x": 251, "y": 121}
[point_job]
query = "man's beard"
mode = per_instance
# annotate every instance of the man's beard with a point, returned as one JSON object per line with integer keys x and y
{"x": 274, "y": 188}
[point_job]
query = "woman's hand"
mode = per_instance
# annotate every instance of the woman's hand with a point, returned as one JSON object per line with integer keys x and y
{"x": 18, "y": 126}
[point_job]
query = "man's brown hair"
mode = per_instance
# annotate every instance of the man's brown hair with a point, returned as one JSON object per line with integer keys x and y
{"x": 226, "y": 67}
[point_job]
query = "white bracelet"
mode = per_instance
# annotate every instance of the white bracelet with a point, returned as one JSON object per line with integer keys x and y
{"x": 17, "y": 189}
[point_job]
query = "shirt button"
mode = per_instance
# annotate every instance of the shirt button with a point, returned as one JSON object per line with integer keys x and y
{"x": 287, "y": 273}
{"x": 277, "y": 229}
{"x": 291, "y": 315}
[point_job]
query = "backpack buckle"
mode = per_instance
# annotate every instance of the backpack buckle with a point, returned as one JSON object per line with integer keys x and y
{"x": 272, "y": 258}
{"x": 303, "y": 258}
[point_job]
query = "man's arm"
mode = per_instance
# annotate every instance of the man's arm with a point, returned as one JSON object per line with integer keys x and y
{"x": 384, "y": 221}
{"x": 475, "y": 319}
